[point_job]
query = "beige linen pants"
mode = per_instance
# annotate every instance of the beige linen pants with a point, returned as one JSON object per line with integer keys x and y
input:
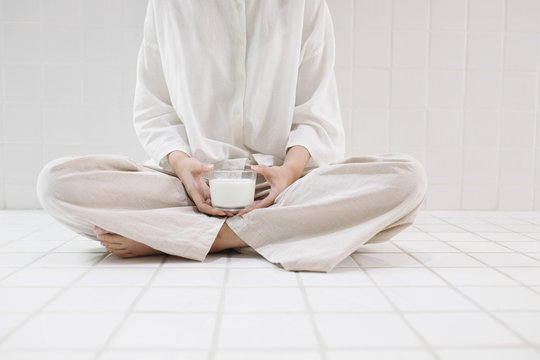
{"x": 314, "y": 224}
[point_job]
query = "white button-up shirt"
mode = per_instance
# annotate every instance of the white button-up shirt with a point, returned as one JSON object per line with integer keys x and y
{"x": 228, "y": 80}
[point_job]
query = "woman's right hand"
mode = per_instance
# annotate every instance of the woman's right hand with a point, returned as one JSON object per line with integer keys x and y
{"x": 189, "y": 170}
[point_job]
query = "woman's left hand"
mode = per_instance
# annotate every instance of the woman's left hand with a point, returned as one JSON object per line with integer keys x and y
{"x": 278, "y": 177}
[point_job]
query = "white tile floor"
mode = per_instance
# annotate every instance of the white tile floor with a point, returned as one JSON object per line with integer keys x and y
{"x": 456, "y": 285}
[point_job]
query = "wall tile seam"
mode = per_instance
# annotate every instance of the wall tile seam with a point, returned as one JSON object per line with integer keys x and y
{"x": 423, "y": 31}
{"x": 352, "y": 95}
{"x": 403, "y": 68}
{"x": 71, "y": 24}
{"x": 536, "y": 143}
{"x": 390, "y": 78}
{"x": 427, "y": 62}
{"x": 501, "y": 99}
{"x": 465, "y": 93}
{"x": 2, "y": 125}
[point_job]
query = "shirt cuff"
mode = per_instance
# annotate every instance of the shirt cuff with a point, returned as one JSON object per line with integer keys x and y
{"x": 305, "y": 136}
{"x": 161, "y": 156}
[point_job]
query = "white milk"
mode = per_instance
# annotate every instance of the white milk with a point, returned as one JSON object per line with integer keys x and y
{"x": 232, "y": 193}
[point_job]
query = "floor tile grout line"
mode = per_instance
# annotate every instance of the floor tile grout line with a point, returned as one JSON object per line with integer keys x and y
{"x": 527, "y": 221}
{"x": 27, "y": 265}
{"x": 40, "y": 309}
{"x": 496, "y": 243}
{"x": 513, "y": 215}
{"x": 397, "y": 311}
{"x": 481, "y": 308}
{"x": 19, "y": 238}
{"x": 512, "y": 251}
{"x": 247, "y": 268}
{"x": 478, "y": 233}
{"x": 359, "y": 252}
{"x": 504, "y": 226}
{"x": 269, "y": 286}
{"x": 212, "y": 351}
{"x": 110, "y": 312}
{"x": 510, "y": 215}
{"x": 321, "y": 345}
{"x": 497, "y": 268}
{"x": 273, "y": 349}
{"x": 54, "y": 252}
{"x": 67, "y": 267}
{"x": 479, "y": 217}
{"x": 129, "y": 310}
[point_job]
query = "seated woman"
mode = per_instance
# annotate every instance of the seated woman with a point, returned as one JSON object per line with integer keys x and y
{"x": 237, "y": 85}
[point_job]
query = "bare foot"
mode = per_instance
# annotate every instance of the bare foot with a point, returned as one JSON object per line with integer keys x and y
{"x": 122, "y": 246}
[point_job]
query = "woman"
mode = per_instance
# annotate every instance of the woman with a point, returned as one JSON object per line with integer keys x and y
{"x": 237, "y": 84}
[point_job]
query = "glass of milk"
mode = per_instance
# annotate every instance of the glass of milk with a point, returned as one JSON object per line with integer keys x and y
{"x": 232, "y": 190}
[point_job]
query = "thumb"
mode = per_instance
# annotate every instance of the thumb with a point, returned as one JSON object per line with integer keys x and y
{"x": 261, "y": 169}
{"x": 258, "y": 168}
{"x": 204, "y": 167}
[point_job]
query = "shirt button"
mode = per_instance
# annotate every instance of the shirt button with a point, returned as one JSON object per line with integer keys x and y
{"x": 240, "y": 42}
{"x": 236, "y": 111}
{"x": 240, "y": 77}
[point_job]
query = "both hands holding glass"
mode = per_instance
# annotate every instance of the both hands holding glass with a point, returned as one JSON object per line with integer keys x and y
{"x": 232, "y": 192}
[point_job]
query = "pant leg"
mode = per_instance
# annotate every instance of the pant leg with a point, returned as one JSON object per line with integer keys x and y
{"x": 126, "y": 198}
{"x": 333, "y": 210}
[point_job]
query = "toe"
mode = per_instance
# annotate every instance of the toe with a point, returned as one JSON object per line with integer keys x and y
{"x": 118, "y": 252}
{"x": 112, "y": 238}
{"x": 116, "y": 247}
{"x": 124, "y": 254}
{"x": 99, "y": 231}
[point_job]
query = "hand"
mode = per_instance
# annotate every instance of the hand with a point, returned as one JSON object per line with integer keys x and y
{"x": 189, "y": 170}
{"x": 278, "y": 177}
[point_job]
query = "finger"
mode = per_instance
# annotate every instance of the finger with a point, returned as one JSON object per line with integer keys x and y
{"x": 196, "y": 197}
{"x": 267, "y": 201}
{"x": 200, "y": 193}
{"x": 202, "y": 206}
{"x": 206, "y": 191}
{"x": 203, "y": 167}
{"x": 266, "y": 172}
{"x": 260, "y": 169}
{"x": 245, "y": 211}
{"x": 205, "y": 208}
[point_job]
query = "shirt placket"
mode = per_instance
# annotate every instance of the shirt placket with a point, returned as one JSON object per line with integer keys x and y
{"x": 240, "y": 47}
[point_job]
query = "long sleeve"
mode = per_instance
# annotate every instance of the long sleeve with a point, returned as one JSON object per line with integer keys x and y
{"x": 156, "y": 122}
{"x": 317, "y": 123}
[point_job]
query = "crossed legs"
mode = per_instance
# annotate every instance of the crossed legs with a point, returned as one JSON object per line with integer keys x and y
{"x": 367, "y": 196}
{"x": 126, "y": 248}
{"x": 120, "y": 202}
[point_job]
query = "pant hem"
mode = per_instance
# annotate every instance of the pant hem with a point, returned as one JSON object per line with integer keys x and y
{"x": 200, "y": 249}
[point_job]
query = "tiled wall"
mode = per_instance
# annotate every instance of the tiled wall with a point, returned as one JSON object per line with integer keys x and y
{"x": 454, "y": 83}
{"x": 68, "y": 76}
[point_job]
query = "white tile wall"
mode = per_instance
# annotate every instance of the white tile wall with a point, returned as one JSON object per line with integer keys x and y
{"x": 453, "y": 83}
